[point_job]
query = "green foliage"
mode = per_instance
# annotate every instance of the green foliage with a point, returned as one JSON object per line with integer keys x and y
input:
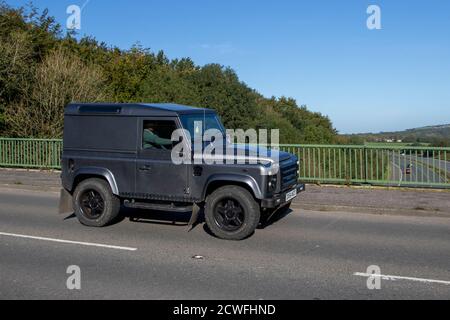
{"x": 309, "y": 127}
{"x": 28, "y": 38}
{"x": 220, "y": 89}
{"x": 60, "y": 79}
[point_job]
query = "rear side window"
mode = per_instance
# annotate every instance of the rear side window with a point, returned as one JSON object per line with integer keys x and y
{"x": 157, "y": 134}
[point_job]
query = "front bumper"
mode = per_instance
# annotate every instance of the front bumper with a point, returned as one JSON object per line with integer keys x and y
{"x": 279, "y": 200}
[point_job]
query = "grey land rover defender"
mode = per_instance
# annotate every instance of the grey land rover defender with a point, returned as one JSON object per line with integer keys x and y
{"x": 120, "y": 155}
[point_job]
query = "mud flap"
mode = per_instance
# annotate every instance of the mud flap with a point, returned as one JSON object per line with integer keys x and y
{"x": 194, "y": 217}
{"x": 65, "y": 202}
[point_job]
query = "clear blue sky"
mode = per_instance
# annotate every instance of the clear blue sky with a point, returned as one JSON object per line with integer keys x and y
{"x": 318, "y": 51}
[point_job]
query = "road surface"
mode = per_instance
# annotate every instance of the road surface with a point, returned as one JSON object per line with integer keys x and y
{"x": 304, "y": 255}
{"x": 440, "y": 164}
{"x": 422, "y": 171}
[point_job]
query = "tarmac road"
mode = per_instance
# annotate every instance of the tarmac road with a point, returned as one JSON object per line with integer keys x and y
{"x": 421, "y": 171}
{"x": 304, "y": 255}
{"x": 439, "y": 164}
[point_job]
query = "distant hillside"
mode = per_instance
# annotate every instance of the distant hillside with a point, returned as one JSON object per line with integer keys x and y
{"x": 438, "y": 135}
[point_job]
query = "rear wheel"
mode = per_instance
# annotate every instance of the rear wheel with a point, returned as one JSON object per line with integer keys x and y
{"x": 94, "y": 203}
{"x": 232, "y": 213}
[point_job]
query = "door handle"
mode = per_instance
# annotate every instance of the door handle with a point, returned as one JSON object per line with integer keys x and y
{"x": 145, "y": 168}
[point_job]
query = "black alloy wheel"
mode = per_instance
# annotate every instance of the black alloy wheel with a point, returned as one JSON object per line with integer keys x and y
{"x": 229, "y": 215}
{"x": 92, "y": 204}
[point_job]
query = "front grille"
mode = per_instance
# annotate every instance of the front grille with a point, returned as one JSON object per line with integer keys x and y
{"x": 289, "y": 173}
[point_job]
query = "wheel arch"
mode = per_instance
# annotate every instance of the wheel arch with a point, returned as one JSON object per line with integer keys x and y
{"x": 93, "y": 172}
{"x": 244, "y": 181}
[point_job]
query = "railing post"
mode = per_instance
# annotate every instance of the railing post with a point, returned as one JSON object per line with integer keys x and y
{"x": 366, "y": 169}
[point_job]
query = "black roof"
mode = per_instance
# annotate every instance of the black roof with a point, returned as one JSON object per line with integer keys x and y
{"x": 133, "y": 109}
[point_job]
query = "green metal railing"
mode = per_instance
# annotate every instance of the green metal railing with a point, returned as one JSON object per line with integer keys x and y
{"x": 340, "y": 164}
{"x": 30, "y": 153}
{"x": 375, "y": 165}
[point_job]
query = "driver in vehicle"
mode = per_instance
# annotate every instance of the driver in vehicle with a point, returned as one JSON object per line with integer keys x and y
{"x": 152, "y": 140}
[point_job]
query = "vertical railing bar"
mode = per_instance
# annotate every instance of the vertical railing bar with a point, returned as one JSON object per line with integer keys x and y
{"x": 378, "y": 165}
{"x": 329, "y": 163}
{"x": 35, "y": 155}
{"x": 361, "y": 164}
{"x": 350, "y": 164}
{"x": 304, "y": 162}
{"x": 405, "y": 161}
{"x": 309, "y": 163}
{"x": 434, "y": 166}
{"x": 314, "y": 162}
{"x": 423, "y": 159}
{"x": 371, "y": 164}
{"x": 417, "y": 166}
{"x": 447, "y": 173}
{"x": 334, "y": 163}
{"x": 345, "y": 164}
{"x": 319, "y": 163}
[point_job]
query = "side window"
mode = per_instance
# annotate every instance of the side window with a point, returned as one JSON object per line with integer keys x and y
{"x": 157, "y": 134}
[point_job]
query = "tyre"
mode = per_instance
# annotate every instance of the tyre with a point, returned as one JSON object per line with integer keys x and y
{"x": 231, "y": 213}
{"x": 94, "y": 203}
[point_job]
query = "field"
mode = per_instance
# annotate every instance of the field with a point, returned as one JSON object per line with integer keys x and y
{"x": 395, "y": 144}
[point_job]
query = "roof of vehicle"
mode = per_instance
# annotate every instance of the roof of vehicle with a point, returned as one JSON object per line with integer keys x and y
{"x": 132, "y": 109}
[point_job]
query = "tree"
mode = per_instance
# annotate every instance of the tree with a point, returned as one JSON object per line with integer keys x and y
{"x": 126, "y": 71}
{"x": 164, "y": 84}
{"x": 219, "y": 88}
{"x": 61, "y": 78}
{"x": 16, "y": 71}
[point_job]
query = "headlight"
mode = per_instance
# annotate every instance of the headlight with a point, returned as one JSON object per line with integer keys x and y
{"x": 272, "y": 184}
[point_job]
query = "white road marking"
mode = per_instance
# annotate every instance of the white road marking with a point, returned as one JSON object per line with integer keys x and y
{"x": 89, "y": 244}
{"x": 394, "y": 278}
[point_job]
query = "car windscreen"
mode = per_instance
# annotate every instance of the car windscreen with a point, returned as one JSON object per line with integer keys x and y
{"x": 200, "y": 123}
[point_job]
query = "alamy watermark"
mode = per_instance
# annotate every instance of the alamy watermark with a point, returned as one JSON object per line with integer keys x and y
{"x": 215, "y": 146}
{"x": 374, "y": 279}
{"x": 74, "y": 280}
{"x": 374, "y": 19}
{"x": 74, "y": 11}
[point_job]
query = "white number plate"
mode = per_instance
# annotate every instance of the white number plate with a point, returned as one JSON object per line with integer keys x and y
{"x": 291, "y": 195}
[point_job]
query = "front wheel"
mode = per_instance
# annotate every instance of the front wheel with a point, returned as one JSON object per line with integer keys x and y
{"x": 232, "y": 213}
{"x": 94, "y": 203}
